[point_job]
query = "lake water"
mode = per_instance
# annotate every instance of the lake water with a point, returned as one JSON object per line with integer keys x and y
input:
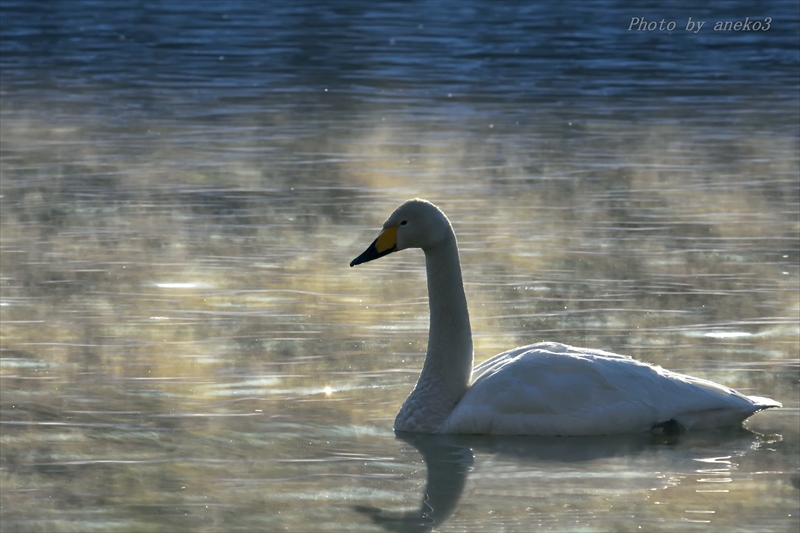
{"x": 185, "y": 348}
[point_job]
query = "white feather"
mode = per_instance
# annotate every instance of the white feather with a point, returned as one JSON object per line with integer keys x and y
{"x": 555, "y": 389}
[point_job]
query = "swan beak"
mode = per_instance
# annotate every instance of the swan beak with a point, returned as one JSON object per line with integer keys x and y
{"x": 385, "y": 244}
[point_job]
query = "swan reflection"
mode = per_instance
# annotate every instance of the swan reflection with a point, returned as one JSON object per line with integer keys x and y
{"x": 449, "y": 460}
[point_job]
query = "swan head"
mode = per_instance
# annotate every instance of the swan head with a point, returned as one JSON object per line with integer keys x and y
{"x": 415, "y": 224}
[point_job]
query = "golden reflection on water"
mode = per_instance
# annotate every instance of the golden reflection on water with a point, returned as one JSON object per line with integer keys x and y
{"x": 195, "y": 352}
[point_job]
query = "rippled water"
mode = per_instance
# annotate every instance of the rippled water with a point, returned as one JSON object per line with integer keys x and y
{"x": 184, "y": 347}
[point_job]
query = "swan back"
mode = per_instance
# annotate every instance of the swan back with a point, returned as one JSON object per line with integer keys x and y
{"x": 555, "y": 389}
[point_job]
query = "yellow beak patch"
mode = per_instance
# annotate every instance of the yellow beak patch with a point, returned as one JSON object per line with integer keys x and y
{"x": 385, "y": 244}
{"x": 386, "y": 240}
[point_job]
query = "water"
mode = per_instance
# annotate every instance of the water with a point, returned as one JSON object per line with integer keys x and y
{"x": 184, "y": 347}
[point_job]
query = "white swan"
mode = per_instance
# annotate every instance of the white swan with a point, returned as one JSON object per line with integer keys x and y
{"x": 541, "y": 389}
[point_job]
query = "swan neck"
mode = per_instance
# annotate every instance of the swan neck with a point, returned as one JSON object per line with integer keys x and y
{"x": 448, "y": 363}
{"x": 450, "y": 336}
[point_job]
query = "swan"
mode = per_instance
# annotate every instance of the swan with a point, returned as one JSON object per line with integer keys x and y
{"x": 541, "y": 389}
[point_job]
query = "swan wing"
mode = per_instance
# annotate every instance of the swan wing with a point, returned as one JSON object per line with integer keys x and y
{"x": 555, "y": 389}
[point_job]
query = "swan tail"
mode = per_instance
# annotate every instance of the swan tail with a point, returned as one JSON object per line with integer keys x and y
{"x": 764, "y": 403}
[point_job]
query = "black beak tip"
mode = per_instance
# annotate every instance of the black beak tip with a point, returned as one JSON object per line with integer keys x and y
{"x": 371, "y": 254}
{"x": 360, "y": 259}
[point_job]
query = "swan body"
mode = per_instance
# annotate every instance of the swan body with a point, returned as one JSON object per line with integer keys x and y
{"x": 541, "y": 389}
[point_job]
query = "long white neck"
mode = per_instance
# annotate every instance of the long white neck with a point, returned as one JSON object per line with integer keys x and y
{"x": 448, "y": 365}
{"x": 449, "y": 336}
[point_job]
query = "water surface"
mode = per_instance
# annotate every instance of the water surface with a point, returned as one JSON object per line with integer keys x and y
{"x": 184, "y": 346}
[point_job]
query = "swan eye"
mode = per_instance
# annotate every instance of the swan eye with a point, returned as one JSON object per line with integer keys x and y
{"x": 403, "y": 223}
